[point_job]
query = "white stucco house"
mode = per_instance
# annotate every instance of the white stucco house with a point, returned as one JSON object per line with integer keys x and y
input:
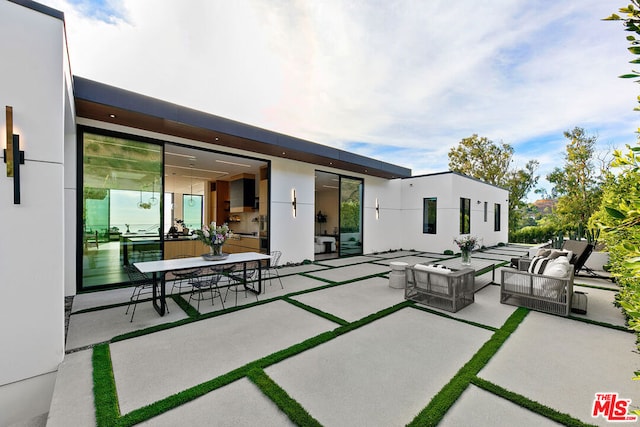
{"x": 107, "y": 172}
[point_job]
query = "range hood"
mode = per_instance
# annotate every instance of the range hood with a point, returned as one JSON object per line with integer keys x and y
{"x": 242, "y": 192}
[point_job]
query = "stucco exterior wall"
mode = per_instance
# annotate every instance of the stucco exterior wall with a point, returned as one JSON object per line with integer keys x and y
{"x": 32, "y": 81}
{"x": 448, "y": 188}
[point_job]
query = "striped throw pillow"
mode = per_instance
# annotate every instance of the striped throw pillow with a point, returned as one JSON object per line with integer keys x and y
{"x": 538, "y": 264}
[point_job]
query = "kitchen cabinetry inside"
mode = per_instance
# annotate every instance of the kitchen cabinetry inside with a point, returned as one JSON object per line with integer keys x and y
{"x": 242, "y": 189}
{"x": 241, "y": 244}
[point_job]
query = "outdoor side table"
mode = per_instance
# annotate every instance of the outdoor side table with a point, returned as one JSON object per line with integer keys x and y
{"x": 398, "y": 275}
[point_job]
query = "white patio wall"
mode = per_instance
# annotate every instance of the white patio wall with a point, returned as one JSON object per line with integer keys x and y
{"x": 448, "y": 188}
{"x": 33, "y": 80}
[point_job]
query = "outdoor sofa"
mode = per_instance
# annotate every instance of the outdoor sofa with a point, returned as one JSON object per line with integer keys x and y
{"x": 544, "y": 283}
{"x": 440, "y": 287}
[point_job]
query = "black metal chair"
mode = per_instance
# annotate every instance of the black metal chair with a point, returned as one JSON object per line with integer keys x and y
{"x": 272, "y": 270}
{"x": 142, "y": 285}
{"x": 206, "y": 287}
{"x": 183, "y": 279}
{"x": 237, "y": 276}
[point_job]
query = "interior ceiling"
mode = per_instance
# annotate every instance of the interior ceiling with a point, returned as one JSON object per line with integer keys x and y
{"x": 327, "y": 182}
{"x": 186, "y": 166}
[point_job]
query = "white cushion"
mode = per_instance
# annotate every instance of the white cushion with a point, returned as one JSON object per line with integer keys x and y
{"x": 558, "y": 267}
{"x": 432, "y": 268}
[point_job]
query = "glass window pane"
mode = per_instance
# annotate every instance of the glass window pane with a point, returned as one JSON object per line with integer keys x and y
{"x": 496, "y": 224}
{"x": 465, "y": 216}
{"x": 350, "y": 216}
{"x": 121, "y": 183}
{"x": 192, "y": 211}
{"x": 430, "y": 209}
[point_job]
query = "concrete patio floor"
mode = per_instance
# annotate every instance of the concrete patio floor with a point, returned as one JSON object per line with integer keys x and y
{"x": 382, "y": 370}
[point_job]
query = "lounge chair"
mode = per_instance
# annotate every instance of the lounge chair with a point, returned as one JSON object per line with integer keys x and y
{"x": 579, "y": 253}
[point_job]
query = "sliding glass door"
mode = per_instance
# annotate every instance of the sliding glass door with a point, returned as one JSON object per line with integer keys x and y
{"x": 121, "y": 203}
{"x": 351, "y": 196}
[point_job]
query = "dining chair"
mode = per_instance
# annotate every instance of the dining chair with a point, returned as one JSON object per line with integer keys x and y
{"x": 237, "y": 276}
{"x": 206, "y": 286}
{"x": 142, "y": 285}
{"x": 183, "y": 279}
{"x": 272, "y": 269}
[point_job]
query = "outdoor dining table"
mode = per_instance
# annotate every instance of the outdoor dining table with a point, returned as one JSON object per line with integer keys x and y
{"x": 162, "y": 267}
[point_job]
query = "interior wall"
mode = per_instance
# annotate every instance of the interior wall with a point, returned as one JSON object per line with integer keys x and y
{"x": 328, "y": 203}
{"x": 32, "y": 266}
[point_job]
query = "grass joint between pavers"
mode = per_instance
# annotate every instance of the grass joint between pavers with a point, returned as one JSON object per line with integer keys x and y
{"x": 433, "y": 413}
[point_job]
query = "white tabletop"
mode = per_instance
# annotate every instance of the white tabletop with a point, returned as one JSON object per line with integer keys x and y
{"x": 165, "y": 265}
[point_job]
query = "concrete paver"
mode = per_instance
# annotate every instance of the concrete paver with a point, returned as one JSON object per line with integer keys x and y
{"x": 237, "y": 404}
{"x": 355, "y": 300}
{"x": 179, "y": 358}
{"x": 382, "y": 374}
{"x": 563, "y": 363}
{"x": 480, "y": 408}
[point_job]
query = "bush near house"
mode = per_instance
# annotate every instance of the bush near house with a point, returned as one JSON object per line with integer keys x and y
{"x": 619, "y": 219}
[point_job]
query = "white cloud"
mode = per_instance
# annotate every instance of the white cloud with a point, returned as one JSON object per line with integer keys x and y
{"x": 418, "y": 75}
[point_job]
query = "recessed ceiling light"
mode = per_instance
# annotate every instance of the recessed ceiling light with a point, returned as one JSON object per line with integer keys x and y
{"x": 113, "y": 116}
{"x": 232, "y": 163}
{"x": 179, "y": 155}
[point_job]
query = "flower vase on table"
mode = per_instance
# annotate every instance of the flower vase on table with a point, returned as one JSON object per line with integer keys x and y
{"x": 213, "y": 236}
{"x": 466, "y": 245}
{"x": 465, "y": 256}
{"x": 215, "y": 250}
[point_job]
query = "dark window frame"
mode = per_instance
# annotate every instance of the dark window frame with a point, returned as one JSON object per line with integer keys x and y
{"x": 465, "y": 215}
{"x": 429, "y": 227}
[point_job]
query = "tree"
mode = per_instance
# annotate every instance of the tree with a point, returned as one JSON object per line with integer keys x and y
{"x": 481, "y": 158}
{"x": 577, "y": 185}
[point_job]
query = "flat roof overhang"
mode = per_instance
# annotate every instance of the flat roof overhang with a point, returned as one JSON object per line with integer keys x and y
{"x": 110, "y": 104}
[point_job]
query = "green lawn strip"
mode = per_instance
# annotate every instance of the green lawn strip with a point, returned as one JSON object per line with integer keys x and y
{"x": 104, "y": 387}
{"x": 171, "y": 402}
{"x": 603, "y": 324}
{"x": 447, "y": 396}
{"x": 602, "y": 288}
{"x": 185, "y": 306}
{"x": 448, "y": 316}
{"x": 281, "y": 398}
{"x": 315, "y": 311}
{"x": 545, "y": 411}
{"x": 199, "y": 390}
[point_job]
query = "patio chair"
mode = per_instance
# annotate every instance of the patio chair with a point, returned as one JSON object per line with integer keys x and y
{"x": 272, "y": 271}
{"x": 237, "y": 279}
{"x": 142, "y": 285}
{"x": 205, "y": 287}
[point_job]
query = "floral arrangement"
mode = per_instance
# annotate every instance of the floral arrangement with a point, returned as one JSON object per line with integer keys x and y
{"x": 212, "y": 235}
{"x": 467, "y": 243}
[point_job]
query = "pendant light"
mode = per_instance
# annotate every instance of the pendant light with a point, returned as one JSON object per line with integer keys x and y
{"x": 153, "y": 200}
{"x": 191, "y": 202}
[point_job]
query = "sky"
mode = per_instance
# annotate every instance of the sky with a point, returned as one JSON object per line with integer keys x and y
{"x": 399, "y": 81}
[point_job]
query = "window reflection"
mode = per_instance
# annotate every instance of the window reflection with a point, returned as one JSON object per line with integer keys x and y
{"x": 121, "y": 209}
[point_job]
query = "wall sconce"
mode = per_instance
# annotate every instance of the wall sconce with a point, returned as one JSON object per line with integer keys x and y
{"x": 377, "y": 209}
{"x": 294, "y": 203}
{"x": 478, "y": 202}
{"x": 13, "y": 156}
